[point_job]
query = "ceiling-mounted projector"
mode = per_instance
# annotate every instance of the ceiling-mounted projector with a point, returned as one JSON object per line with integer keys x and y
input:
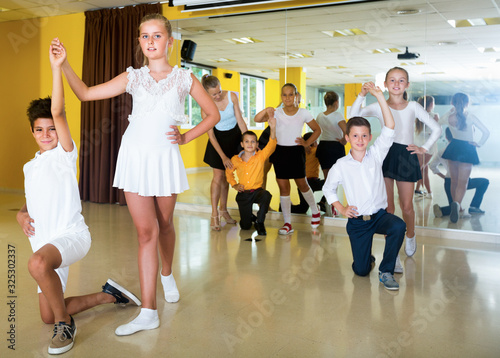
{"x": 408, "y": 55}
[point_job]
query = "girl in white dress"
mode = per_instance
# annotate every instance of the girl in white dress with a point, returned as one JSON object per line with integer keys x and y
{"x": 401, "y": 163}
{"x": 149, "y": 167}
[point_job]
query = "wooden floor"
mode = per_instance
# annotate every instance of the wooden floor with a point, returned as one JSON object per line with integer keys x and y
{"x": 283, "y": 296}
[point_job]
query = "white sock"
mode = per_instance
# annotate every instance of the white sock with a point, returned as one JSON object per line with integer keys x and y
{"x": 286, "y": 208}
{"x": 309, "y": 197}
{"x": 170, "y": 288}
{"x": 147, "y": 315}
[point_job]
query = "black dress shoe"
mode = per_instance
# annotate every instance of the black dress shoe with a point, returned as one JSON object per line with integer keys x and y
{"x": 261, "y": 229}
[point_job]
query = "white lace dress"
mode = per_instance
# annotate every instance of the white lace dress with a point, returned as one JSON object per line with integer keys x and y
{"x": 148, "y": 163}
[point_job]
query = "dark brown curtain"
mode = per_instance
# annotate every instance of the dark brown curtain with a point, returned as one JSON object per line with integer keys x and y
{"x": 109, "y": 48}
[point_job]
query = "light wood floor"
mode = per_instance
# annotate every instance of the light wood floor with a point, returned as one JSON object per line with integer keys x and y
{"x": 290, "y": 296}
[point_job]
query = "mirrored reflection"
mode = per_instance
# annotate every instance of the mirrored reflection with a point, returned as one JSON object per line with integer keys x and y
{"x": 359, "y": 42}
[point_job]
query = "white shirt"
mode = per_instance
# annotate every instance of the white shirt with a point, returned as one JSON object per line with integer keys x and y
{"x": 330, "y": 129}
{"x": 471, "y": 122}
{"x": 404, "y": 119}
{"x": 52, "y": 195}
{"x": 289, "y": 128}
{"x": 363, "y": 182}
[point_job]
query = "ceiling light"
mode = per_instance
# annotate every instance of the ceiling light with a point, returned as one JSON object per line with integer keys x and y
{"x": 447, "y": 43}
{"x": 385, "y": 50}
{"x": 242, "y": 40}
{"x": 405, "y": 12}
{"x": 475, "y": 22}
{"x": 334, "y": 67}
{"x": 222, "y": 59}
{"x": 412, "y": 63}
{"x": 297, "y": 55}
{"x": 344, "y": 32}
{"x": 488, "y": 49}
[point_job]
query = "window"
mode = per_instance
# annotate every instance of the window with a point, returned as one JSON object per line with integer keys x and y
{"x": 191, "y": 108}
{"x": 252, "y": 99}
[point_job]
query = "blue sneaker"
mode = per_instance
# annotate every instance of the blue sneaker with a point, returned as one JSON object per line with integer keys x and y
{"x": 387, "y": 279}
{"x": 121, "y": 294}
{"x": 473, "y": 210}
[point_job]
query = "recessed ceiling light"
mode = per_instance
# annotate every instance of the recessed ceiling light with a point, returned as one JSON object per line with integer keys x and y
{"x": 405, "y": 12}
{"x": 242, "y": 40}
{"x": 475, "y": 22}
{"x": 488, "y": 49}
{"x": 385, "y": 50}
{"x": 334, "y": 67}
{"x": 447, "y": 43}
{"x": 344, "y": 32}
{"x": 222, "y": 59}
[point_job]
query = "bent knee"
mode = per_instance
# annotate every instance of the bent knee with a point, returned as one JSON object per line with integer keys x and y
{"x": 37, "y": 263}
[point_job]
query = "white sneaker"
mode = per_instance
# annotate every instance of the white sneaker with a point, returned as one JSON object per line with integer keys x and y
{"x": 399, "y": 267}
{"x": 410, "y": 245}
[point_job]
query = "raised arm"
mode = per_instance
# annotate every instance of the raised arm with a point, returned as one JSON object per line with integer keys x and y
{"x": 264, "y": 115}
{"x": 386, "y": 111}
{"x": 368, "y": 111}
{"x": 109, "y": 89}
{"x": 57, "y": 55}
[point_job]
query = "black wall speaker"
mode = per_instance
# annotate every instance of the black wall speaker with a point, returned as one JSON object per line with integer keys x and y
{"x": 188, "y": 49}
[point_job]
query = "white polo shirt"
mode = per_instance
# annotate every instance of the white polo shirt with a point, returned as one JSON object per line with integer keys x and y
{"x": 52, "y": 195}
{"x": 363, "y": 182}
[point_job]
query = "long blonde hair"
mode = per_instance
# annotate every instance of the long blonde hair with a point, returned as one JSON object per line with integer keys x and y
{"x": 139, "y": 56}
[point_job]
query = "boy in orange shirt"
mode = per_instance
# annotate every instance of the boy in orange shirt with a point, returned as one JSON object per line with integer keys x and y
{"x": 249, "y": 166}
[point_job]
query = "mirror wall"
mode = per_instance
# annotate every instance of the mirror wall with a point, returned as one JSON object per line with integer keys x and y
{"x": 339, "y": 44}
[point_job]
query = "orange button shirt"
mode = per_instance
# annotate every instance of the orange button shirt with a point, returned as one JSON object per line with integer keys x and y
{"x": 251, "y": 173}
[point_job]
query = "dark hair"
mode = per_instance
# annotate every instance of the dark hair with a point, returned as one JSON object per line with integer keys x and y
{"x": 330, "y": 98}
{"x": 209, "y": 82}
{"x": 400, "y": 69}
{"x": 357, "y": 122}
{"x": 39, "y": 108}
{"x": 248, "y": 133}
{"x": 290, "y": 85}
{"x": 448, "y": 134}
{"x": 139, "y": 56}
{"x": 460, "y": 101}
{"x": 425, "y": 102}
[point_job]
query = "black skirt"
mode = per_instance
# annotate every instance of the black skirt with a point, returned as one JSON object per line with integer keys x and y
{"x": 289, "y": 162}
{"x": 461, "y": 151}
{"x": 329, "y": 152}
{"x": 401, "y": 165}
{"x": 230, "y": 143}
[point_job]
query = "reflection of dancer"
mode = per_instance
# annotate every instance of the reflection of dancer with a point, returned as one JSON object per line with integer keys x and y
{"x": 149, "y": 167}
{"x": 360, "y": 174}
{"x": 400, "y": 165}
{"x": 461, "y": 152}
{"x": 422, "y": 135}
{"x": 332, "y": 140}
{"x": 289, "y": 156}
{"x": 52, "y": 219}
{"x": 480, "y": 184}
{"x": 312, "y": 177}
{"x": 224, "y": 141}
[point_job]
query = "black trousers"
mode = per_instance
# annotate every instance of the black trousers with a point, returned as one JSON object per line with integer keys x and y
{"x": 245, "y": 201}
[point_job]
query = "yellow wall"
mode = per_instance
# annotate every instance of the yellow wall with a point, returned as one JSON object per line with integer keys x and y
{"x": 26, "y": 76}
